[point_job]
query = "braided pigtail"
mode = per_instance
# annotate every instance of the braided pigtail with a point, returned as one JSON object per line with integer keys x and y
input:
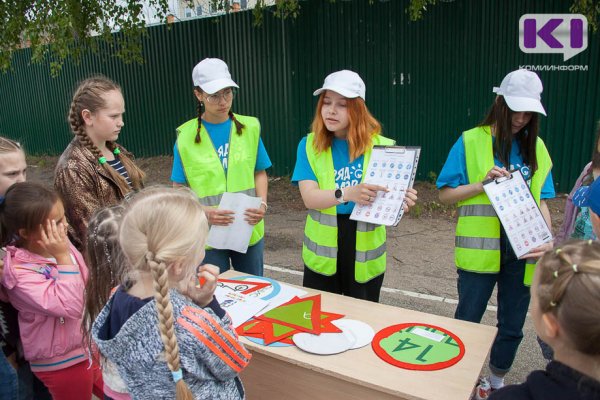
{"x": 164, "y": 309}
{"x": 569, "y": 287}
{"x": 136, "y": 175}
{"x": 89, "y": 96}
{"x": 238, "y": 125}
{"x": 200, "y": 110}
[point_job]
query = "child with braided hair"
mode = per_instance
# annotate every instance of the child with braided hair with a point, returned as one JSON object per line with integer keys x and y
{"x": 103, "y": 257}
{"x": 565, "y": 298}
{"x": 218, "y": 152}
{"x": 94, "y": 171}
{"x": 167, "y": 336}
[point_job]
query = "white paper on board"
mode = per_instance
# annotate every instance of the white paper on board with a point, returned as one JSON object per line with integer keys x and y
{"x": 235, "y": 236}
{"x": 239, "y": 306}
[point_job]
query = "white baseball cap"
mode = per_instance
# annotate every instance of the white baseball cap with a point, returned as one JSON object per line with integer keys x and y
{"x": 212, "y": 75}
{"x": 344, "y": 82}
{"x": 522, "y": 91}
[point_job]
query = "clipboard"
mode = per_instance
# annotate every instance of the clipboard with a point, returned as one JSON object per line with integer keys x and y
{"x": 518, "y": 212}
{"x": 394, "y": 167}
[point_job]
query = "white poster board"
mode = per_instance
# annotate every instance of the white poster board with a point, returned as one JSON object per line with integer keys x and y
{"x": 518, "y": 212}
{"x": 394, "y": 167}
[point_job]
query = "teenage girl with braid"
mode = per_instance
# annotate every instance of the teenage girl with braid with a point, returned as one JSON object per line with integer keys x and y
{"x": 165, "y": 315}
{"x": 565, "y": 298}
{"x": 94, "y": 171}
{"x": 218, "y": 152}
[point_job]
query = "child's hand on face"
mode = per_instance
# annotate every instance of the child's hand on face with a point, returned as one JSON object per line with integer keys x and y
{"x": 54, "y": 241}
{"x": 203, "y": 294}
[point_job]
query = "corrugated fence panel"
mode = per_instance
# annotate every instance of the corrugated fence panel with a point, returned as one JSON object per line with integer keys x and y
{"x": 427, "y": 81}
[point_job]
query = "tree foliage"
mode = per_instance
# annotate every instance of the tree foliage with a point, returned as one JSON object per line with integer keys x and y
{"x": 56, "y": 30}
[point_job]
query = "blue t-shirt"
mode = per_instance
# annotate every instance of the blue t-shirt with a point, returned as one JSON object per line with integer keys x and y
{"x": 454, "y": 171}
{"x": 346, "y": 173}
{"x": 219, "y": 135}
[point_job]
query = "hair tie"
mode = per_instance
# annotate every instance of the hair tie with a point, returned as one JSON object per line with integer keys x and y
{"x": 177, "y": 375}
{"x": 552, "y": 304}
{"x": 116, "y": 151}
{"x": 102, "y": 160}
{"x": 555, "y": 274}
{"x": 574, "y": 266}
{"x": 557, "y": 251}
{"x": 149, "y": 256}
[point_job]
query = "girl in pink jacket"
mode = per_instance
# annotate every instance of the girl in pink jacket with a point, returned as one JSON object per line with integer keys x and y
{"x": 44, "y": 276}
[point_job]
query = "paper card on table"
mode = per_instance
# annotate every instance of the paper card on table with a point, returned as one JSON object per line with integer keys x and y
{"x": 246, "y": 326}
{"x": 303, "y": 314}
{"x": 394, "y": 167}
{"x": 277, "y": 294}
{"x": 518, "y": 212}
{"x": 237, "y": 235}
{"x": 245, "y": 287}
{"x": 240, "y": 307}
{"x": 327, "y": 319}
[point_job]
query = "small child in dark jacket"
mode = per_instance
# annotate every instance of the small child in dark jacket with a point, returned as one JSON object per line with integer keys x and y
{"x": 565, "y": 299}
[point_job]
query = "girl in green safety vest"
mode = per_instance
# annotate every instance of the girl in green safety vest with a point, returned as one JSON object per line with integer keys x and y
{"x": 507, "y": 139}
{"x": 341, "y": 256}
{"x": 217, "y": 152}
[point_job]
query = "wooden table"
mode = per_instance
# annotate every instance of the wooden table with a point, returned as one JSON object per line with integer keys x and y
{"x": 289, "y": 373}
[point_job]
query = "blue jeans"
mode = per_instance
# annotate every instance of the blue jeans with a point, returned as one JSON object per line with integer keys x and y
{"x": 250, "y": 263}
{"x": 474, "y": 291}
{"x": 9, "y": 389}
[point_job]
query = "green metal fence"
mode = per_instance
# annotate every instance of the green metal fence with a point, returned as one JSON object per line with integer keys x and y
{"x": 427, "y": 81}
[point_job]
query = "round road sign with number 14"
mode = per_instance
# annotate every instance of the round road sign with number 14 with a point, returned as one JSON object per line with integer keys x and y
{"x": 418, "y": 346}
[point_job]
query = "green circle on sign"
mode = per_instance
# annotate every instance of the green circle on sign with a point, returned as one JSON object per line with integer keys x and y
{"x": 418, "y": 346}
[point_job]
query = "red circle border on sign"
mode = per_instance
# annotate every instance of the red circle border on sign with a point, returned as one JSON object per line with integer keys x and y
{"x": 390, "y": 330}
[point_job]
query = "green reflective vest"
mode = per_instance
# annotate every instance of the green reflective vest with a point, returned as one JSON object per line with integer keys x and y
{"x": 205, "y": 173}
{"x": 477, "y": 242}
{"x": 319, "y": 249}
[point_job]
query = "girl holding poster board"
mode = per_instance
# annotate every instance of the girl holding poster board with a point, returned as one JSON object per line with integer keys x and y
{"x": 341, "y": 255}
{"x": 507, "y": 139}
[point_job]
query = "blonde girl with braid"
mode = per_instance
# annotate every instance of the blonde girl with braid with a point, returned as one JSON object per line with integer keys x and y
{"x": 168, "y": 336}
{"x": 94, "y": 171}
{"x": 219, "y": 151}
{"x": 565, "y": 299}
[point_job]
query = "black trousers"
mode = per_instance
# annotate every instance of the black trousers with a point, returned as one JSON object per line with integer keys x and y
{"x": 343, "y": 281}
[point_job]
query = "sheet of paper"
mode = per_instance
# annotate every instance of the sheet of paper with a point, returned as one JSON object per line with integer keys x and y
{"x": 518, "y": 212}
{"x": 276, "y": 293}
{"x": 237, "y": 235}
{"x": 394, "y": 167}
{"x": 239, "y": 306}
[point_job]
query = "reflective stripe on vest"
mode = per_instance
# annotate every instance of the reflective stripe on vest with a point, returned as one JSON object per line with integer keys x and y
{"x": 204, "y": 171}
{"x": 477, "y": 242}
{"x": 319, "y": 249}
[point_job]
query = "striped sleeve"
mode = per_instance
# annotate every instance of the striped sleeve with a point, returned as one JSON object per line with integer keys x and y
{"x": 214, "y": 342}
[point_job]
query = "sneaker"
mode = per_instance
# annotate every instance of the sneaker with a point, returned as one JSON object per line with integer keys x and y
{"x": 482, "y": 390}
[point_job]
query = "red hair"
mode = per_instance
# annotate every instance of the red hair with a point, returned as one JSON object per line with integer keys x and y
{"x": 362, "y": 126}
